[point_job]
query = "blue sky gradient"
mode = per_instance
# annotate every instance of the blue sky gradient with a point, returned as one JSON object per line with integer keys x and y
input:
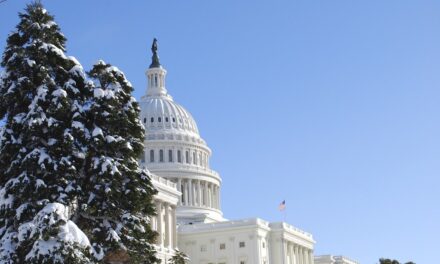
{"x": 331, "y": 105}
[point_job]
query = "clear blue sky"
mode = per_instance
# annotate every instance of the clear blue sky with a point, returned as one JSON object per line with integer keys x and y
{"x": 333, "y": 106}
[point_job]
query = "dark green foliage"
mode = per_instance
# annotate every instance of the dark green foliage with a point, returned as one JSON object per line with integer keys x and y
{"x": 392, "y": 261}
{"x": 68, "y": 155}
{"x": 179, "y": 258}
{"x": 118, "y": 200}
{"x": 40, "y": 159}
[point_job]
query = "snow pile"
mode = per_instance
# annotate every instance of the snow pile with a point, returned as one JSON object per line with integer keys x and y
{"x": 6, "y": 200}
{"x": 53, "y": 215}
{"x": 97, "y": 132}
{"x": 59, "y": 93}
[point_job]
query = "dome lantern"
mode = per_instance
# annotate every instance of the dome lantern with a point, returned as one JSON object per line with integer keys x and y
{"x": 156, "y": 75}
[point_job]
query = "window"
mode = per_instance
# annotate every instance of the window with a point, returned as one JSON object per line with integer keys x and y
{"x": 159, "y": 119}
{"x": 174, "y": 120}
{"x": 145, "y": 120}
{"x": 187, "y": 156}
{"x": 242, "y": 244}
{"x": 161, "y": 155}
{"x": 155, "y": 80}
{"x": 203, "y": 248}
{"x": 222, "y": 246}
{"x": 151, "y": 155}
{"x": 194, "y": 158}
{"x": 263, "y": 245}
{"x": 166, "y": 119}
{"x": 179, "y": 156}
{"x": 242, "y": 262}
{"x": 170, "y": 155}
{"x": 152, "y": 119}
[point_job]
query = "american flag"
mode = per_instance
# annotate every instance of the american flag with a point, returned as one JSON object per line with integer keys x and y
{"x": 282, "y": 205}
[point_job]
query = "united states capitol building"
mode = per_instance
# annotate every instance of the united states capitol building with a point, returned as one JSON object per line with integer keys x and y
{"x": 189, "y": 215}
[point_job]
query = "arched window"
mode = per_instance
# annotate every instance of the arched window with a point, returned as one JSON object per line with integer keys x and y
{"x": 187, "y": 156}
{"x": 152, "y": 119}
{"x": 159, "y": 119}
{"x": 155, "y": 80}
{"x": 194, "y": 158}
{"x": 166, "y": 119}
{"x": 145, "y": 120}
{"x": 170, "y": 155}
{"x": 151, "y": 155}
{"x": 200, "y": 159}
{"x": 179, "y": 156}
{"x": 161, "y": 155}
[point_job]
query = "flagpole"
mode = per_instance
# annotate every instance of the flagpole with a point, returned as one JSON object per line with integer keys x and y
{"x": 282, "y": 209}
{"x": 284, "y": 214}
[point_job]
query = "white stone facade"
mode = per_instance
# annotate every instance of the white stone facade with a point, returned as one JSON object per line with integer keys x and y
{"x": 189, "y": 194}
{"x": 249, "y": 241}
{"x": 164, "y": 223}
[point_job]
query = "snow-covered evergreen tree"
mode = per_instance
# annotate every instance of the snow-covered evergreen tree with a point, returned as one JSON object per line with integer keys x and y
{"x": 179, "y": 258}
{"x": 115, "y": 213}
{"x": 42, "y": 92}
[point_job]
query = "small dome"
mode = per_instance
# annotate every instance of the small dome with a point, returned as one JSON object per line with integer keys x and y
{"x": 161, "y": 113}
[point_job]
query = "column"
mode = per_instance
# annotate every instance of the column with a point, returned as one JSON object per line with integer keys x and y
{"x": 195, "y": 193}
{"x": 305, "y": 256}
{"x": 300, "y": 256}
{"x": 216, "y": 196}
{"x": 259, "y": 253}
{"x": 190, "y": 193}
{"x": 174, "y": 227}
{"x": 185, "y": 187}
{"x": 159, "y": 222}
{"x": 296, "y": 254}
{"x": 199, "y": 193}
{"x": 167, "y": 226}
{"x": 291, "y": 255}
{"x": 205, "y": 194}
{"x": 179, "y": 188}
{"x": 311, "y": 260}
{"x": 209, "y": 195}
{"x": 213, "y": 195}
{"x": 219, "y": 198}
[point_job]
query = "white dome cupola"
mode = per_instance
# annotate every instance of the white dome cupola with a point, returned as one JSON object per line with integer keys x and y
{"x": 156, "y": 75}
{"x": 175, "y": 150}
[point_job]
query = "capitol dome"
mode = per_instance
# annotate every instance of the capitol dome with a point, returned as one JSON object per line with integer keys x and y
{"x": 162, "y": 113}
{"x": 175, "y": 151}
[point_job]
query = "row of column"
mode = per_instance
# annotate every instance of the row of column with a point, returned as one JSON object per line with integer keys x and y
{"x": 298, "y": 255}
{"x": 199, "y": 193}
{"x": 165, "y": 224}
